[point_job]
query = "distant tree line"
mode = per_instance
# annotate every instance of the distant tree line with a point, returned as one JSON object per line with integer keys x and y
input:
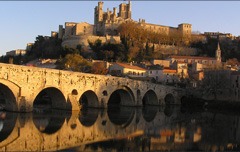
{"x": 230, "y": 48}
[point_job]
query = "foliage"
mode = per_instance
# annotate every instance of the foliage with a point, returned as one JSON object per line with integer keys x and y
{"x": 74, "y": 62}
{"x": 46, "y": 48}
{"x": 99, "y": 68}
{"x": 233, "y": 62}
{"x": 108, "y": 51}
{"x": 215, "y": 80}
{"x": 230, "y": 48}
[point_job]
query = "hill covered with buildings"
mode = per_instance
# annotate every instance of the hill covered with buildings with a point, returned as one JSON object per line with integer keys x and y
{"x": 119, "y": 46}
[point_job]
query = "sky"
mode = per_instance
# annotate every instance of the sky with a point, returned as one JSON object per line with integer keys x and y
{"x": 22, "y": 21}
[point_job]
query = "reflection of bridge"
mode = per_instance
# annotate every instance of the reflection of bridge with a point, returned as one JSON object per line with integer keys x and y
{"x": 55, "y": 130}
{"x": 22, "y": 85}
{"x": 162, "y": 126}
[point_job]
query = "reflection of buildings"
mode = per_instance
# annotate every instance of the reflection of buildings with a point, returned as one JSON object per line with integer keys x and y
{"x": 167, "y": 129}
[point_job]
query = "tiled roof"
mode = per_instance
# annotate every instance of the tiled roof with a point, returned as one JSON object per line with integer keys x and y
{"x": 169, "y": 70}
{"x": 131, "y": 66}
{"x": 192, "y": 57}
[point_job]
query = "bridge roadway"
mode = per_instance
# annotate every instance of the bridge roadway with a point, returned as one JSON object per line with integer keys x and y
{"x": 21, "y": 85}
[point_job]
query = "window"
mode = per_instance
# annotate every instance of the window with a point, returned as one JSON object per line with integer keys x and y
{"x": 138, "y": 73}
{"x": 142, "y": 73}
{"x": 157, "y": 78}
{"x": 134, "y": 73}
{"x": 150, "y": 72}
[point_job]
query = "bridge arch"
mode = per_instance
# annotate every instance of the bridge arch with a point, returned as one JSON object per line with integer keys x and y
{"x": 9, "y": 93}
{"x": 150, "y": 98}
{"x": 169, "y": 99}
{"x": 89, "y": 99}
{"x": 50, "y": 97}
{"x": 123, "y": 95}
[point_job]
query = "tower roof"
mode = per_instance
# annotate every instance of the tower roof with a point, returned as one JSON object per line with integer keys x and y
{"x": 218, "y": 46}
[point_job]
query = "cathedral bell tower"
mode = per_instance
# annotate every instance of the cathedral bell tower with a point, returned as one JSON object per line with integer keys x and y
{"x": 218, "y": 54}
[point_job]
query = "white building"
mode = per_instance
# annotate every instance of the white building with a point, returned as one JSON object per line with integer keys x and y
{"x": 122, "y": 69}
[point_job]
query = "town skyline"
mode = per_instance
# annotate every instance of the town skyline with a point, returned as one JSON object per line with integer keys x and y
{"x": 26, "y": 20}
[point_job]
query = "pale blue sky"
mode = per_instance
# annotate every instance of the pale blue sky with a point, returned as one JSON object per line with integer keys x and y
{"x": 22, "y": 21}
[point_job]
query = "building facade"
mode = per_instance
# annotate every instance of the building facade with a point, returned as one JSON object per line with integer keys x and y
{"x": 16, "y": 52}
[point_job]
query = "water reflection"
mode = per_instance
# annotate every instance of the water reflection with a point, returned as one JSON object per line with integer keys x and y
{"x": 49, "y": 121}
{"x": 121, "y": 128}
{"x": 88, "y": 116}
{"x": 121, "y": 115}
{"x": 7, "y": 123}
{"x": 149, "y": 112}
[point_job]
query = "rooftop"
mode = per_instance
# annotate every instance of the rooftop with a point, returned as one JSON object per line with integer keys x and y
{"x": 192, "y": 57}
{"x": 131, "y": 66}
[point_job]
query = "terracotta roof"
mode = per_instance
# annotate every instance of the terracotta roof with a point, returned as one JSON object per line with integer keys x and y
{"x": 192, "y": 57}
{"x": 131, "y": 66}
{"x": 169, "y": 70}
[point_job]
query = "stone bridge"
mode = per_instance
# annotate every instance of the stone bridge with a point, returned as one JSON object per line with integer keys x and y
{"x": 22, "y": 86}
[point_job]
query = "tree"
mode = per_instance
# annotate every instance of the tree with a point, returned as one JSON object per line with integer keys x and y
{"x": 133, "y": 53}
{"x": 46, "y": 47}
{"x": 107, "y": 54}
{"x": 74, "y": 62}
{"x": 99, "y": 68}
{"x": 216, "y": 80}
{"x": 233, "y": 62}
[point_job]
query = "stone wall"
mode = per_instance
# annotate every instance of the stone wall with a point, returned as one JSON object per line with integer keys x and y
{"x": 73, "y": 41}
{"x": 174, "y": 50}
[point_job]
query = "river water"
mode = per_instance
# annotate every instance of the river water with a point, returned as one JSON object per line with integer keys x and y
{"x": 151, "y": 128}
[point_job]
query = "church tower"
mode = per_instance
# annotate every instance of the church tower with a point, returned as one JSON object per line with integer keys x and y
{"x": 218, "y": 54}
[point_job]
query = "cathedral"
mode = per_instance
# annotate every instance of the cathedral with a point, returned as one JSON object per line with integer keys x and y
{"x": 106, "y": 24}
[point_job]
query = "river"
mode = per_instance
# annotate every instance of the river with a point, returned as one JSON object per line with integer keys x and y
{"x": 151, "y": 128}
